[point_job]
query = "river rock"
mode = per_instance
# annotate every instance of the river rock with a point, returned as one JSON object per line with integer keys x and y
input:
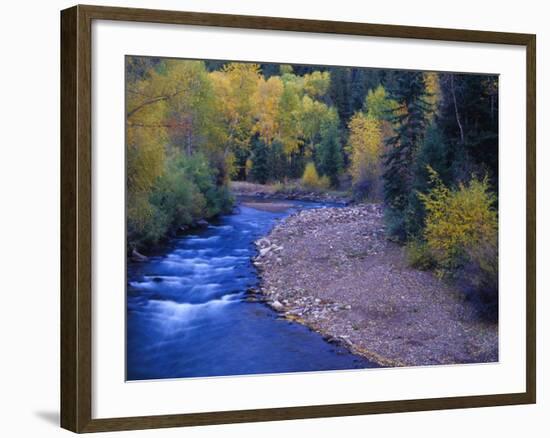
{"x": 276, "y": 305}
{"x": 263, "y": 243}
{"x": 265, "y": 251}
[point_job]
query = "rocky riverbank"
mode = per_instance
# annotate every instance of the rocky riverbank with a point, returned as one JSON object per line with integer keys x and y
{"x": 291, "y": 191}
{"x": 332, "y": 270}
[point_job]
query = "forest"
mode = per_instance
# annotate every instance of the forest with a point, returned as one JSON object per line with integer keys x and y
{"x": 422, "y": 144}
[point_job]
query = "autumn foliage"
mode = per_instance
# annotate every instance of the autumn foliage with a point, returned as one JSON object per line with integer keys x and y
{"x": 311, "y": 179}
{"x": 462, "y": 227}
{"x": 192, "y": 126}
{"x": 365, "y": 149}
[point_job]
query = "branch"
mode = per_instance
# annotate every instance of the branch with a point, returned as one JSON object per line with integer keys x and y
{"x": 153, "y": 100}
{"x": 147, "y": 102}
{"x": 158, "y": 125}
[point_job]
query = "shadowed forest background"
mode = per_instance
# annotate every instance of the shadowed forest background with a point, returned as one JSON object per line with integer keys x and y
{"x": 423, "y": 144}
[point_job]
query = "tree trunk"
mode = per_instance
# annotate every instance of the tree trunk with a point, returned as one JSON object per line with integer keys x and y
{"x": 456, "y": 110}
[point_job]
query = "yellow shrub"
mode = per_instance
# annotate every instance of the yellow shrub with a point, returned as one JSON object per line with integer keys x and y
{"x": 459, "y": 221}
{"x": 311, "y": 179}
{"x": 324, "y": 182}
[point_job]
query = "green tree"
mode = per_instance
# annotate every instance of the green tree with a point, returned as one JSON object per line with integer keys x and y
{"x": 409, "y": 120}
{"x": 329, "y": 152}
{"x": 378, "y": 104}
{"x": 260, "y": 161}
{"x": 278, "y": 162}
{"x": 468, "y": 119}
{"x": 433, "y": 154}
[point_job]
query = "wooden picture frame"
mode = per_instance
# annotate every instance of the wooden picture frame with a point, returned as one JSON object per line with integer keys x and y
{"x": 76, "y": 217}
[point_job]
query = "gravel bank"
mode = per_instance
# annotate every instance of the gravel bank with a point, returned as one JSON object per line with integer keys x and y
{"x": 332, "y": 270}
{"x": 245, "y": 190}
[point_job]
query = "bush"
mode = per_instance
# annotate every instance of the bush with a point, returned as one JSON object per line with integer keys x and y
{"x": 178, "y": 198}
{"x": 395, "y": 225}
{"x": 366, "y": 187}
{"x": 185, "y": 192}
{"x": 324, "y": 182}
{"x": 419, "y": 255}
{"x": 198, "y": 170}
{"x": 462, "y": 228}
{"x": 311, "y": 179}
{"x": 278, "y": 187}
{"x": 481, "y": 269}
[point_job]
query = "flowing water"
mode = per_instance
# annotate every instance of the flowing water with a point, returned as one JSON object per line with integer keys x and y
{"x": 187, "y": 313}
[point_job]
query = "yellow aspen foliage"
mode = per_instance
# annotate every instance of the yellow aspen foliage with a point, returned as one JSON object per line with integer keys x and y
{"x": 378, "y": 104}
{"x": 234, "y": 87}
{"x": 146, "y": 139}
{"x": 459, "y": 221}
{"x": 317, "y": 83}
{"x": 286, "y": 69}
{"x": 290, "y": 108}
{"x": 173, "y": 149}
{"x": 364, "y": 147}
{"x": 266, "y": 108}
{"x": 311, "y": 179}
{"x": 433, "y": 91}
{"x": 313, "y": 114}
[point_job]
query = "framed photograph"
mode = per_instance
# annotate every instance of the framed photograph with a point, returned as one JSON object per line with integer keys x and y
{"x": 269, "y": 218}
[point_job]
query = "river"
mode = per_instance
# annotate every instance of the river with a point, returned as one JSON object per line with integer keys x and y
{"x": 188, "y": 313}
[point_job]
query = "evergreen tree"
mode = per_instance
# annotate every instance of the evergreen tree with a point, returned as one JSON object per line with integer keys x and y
{"x": 469, "y": 122}
{"x": 409, "y": 121}
{"x": 433, "y": 153}
{"x": 260, "y": 161}
{"x": 329, "y": 151}
{"x": 278, "y": 166}
{"x": 141, "y": 67}
{"x": 349, "y": 87}
{"x": 269, "y": 70}
{"x": 340, "y": 92}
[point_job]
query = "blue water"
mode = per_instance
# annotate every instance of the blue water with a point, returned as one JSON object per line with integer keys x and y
{"x": 187, "y": 314}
